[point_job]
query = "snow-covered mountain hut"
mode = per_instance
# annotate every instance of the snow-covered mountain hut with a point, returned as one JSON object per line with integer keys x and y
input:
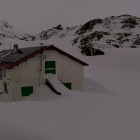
{"x": 22, "y": 70}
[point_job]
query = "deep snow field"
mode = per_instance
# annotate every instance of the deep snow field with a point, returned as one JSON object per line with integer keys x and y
{"x": 107, "y": 110}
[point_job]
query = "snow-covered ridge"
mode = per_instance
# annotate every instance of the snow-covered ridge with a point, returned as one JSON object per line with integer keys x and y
{"x": 119, "y": 31}
{"x": 112, "y": 32}
{"x": 56, "y": 32}
{"x": 8, "y": 31}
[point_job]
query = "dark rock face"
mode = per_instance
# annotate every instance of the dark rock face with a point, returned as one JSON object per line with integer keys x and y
{"x": 129, "y": 23}
{"x": 86, "y": 51}
{"x": 92, "y": 52}
{"x": 88, "y": 26}
{"x": 98, "y": 52}
{"x": 137, "y": 42}
{"x": 88, "y": 40}
{"x": 59, "y": 27}
{"x": 117, "y": 46}
{"x": 133, "y": 47}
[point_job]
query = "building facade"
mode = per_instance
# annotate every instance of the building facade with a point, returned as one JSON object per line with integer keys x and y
{"x": 21, "y": 77}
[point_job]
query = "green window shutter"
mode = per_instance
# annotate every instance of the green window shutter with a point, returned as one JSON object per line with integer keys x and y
{"x": 0, "y": 74}
{"x": 5, "y": 87}
{"x": 68, "y": 85}
{"x": 26, "y": 91}
{"x": 50, "y": 67}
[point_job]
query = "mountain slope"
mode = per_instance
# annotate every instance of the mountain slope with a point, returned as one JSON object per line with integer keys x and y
{"x": 8, "y": 31}
{"x": 115, "y": 31}
{"x": 120, "y": 31}
{"x": 56, "y": 32}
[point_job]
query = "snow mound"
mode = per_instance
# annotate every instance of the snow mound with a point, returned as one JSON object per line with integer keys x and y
{"x": 53, "y": 79}
{"x": 92, "y": 86}
{"x": 42, "y": 93}
{"x": 45, "y": 93}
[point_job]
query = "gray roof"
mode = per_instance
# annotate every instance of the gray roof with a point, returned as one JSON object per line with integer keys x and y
{"x": 11, "y": 56}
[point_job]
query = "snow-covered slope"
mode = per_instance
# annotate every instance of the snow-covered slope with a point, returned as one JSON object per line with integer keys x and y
{"x": 111, "y": 32}
{"x": 119, "y": 31}
{"x": 56, "y": 32}
{"x": 8, "y": 31}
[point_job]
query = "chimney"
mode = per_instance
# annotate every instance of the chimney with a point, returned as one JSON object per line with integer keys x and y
{"x": 15, "y": 47}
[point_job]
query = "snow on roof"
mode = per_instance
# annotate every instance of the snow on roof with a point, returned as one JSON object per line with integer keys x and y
{"x": 10, "y": 58}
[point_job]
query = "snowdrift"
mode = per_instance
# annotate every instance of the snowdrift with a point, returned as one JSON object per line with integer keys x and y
{"x": 45, "y": 93}
{"x": 12, "y": 131}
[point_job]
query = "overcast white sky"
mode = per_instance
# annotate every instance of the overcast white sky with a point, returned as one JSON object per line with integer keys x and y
{"x": 34, "y": 16}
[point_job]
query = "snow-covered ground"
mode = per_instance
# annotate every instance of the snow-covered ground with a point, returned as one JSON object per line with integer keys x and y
{"x": 107, "y": 110}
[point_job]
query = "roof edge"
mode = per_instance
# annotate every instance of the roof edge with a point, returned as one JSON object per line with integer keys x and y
{"x": 69, "y": 55}
{"x": 51, "y": 47}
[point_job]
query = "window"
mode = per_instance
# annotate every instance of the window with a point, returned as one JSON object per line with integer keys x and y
{"x": 0, "y": 74}
{"x": 26, "y": 91}
{"x": 50, "y": 67}
{"x": 68, "y": 85}
{"x": 5, "y": 87}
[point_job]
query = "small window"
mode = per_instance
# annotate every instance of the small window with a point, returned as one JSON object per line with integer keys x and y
{"x": 5, "y": 87}
{"x": 26, "y": 91}
{"x": 50, "y": 67}
{"x": 0, "y": 74}
{"x": 68, "y": 85}
{"x": 4, "y": 72}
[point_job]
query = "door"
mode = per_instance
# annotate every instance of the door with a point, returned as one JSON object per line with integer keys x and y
{"x": 26, "y": 91}
{"x": 50, "y": 67}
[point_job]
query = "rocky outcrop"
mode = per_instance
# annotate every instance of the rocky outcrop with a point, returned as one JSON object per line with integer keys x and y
{"x": 92, "y": 52}
{"x": 88, "y": 26}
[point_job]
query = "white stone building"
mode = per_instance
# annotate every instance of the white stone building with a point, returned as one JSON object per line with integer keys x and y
{"x": 22, "y": 70}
